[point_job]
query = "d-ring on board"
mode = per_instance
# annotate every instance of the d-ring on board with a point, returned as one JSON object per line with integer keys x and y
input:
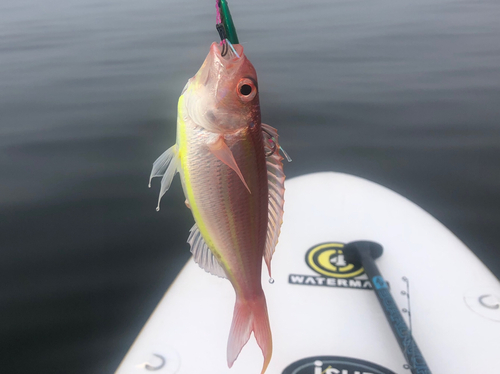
{"x": 487, "y": 305}
{"x": 146, "y": 365}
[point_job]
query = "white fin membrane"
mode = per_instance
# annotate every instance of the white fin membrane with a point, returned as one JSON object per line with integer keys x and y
{"x": 276, "y": 186}
{"x": 165, "y": 166}
{"x": 202, "y": 255}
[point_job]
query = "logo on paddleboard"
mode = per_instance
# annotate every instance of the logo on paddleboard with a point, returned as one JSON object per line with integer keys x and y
{"x": 327, "y": 260}
{"x": 334, "y": 365}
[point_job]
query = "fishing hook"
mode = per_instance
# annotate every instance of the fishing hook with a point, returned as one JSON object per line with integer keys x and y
{"x": 275, "y": 147}
{"x": 223, "y": 37}
{"x": 271, "y": 140}
{"x": 224, "y": 48}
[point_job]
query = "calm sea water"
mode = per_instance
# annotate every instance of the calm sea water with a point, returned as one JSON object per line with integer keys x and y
{"x": 405, "y": 94}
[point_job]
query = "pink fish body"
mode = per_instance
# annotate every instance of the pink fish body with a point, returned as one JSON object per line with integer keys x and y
{"x": 232, "y": 177}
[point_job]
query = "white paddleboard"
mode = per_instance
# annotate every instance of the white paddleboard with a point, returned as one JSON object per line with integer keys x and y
{"x": 324, "y": 317}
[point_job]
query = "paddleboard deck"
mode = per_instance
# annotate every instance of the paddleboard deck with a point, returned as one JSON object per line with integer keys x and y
{"x": 324, "y": 316}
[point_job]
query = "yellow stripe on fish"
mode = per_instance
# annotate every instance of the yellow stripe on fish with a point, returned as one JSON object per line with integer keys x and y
{"x": 182, "y": 145}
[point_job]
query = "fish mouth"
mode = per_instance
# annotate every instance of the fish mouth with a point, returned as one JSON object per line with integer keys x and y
{"x": 216, "y": 65}
{"x": 234, "y": 52}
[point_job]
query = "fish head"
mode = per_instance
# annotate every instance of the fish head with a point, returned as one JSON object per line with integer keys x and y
{"x": 223, "y": 96}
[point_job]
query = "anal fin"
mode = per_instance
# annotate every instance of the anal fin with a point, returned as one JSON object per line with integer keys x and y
{"x": 202, "y": 254}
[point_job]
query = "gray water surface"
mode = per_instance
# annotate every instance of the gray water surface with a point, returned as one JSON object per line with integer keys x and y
{"x": 406, "y": 94}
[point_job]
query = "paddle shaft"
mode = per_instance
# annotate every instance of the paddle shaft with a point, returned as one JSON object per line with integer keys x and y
{"x": 403, "y": 335}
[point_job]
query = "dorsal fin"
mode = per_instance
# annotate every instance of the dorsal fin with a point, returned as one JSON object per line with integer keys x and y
{"x": 165, "y": 166}
{"x": 202, "y": 255}
{"x": 276, "y": 186}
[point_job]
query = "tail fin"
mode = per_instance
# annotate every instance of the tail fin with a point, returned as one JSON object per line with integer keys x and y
{"x": 250, "y": 315}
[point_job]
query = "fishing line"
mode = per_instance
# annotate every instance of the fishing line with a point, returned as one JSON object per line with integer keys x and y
{"x": 234, "y": 50}
{"x": 218, "y": 18}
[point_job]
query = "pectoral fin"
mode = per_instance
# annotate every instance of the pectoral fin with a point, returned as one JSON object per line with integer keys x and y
{"x": 224, "y": 154}
{"x": 165, "y": 166}
{"x": 276, "y": 186}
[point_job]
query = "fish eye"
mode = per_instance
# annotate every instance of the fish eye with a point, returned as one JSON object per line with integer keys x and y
{"x": 246, "y": 90}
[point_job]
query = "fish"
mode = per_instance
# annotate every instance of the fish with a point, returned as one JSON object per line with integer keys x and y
{"x": 232, "y": 176}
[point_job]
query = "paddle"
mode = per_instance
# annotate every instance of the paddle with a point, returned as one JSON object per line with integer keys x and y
{"x": 366, "y": 252}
